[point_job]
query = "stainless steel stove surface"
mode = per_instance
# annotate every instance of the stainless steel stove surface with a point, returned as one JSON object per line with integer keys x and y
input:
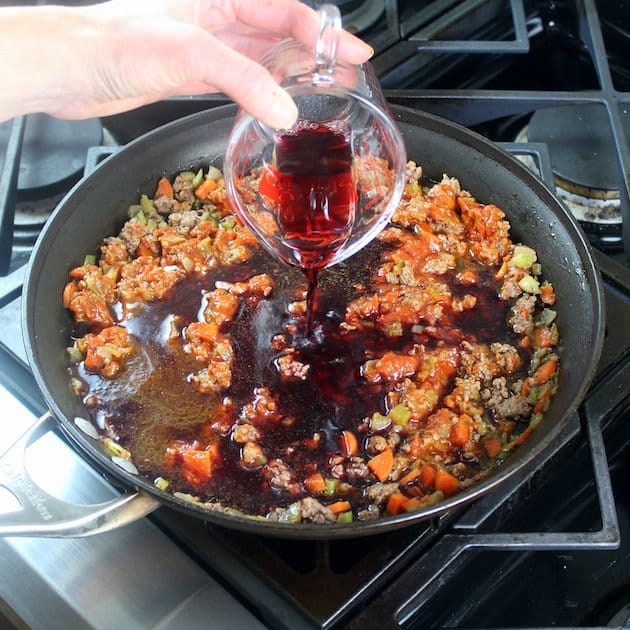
{"x": 549, "y": 548}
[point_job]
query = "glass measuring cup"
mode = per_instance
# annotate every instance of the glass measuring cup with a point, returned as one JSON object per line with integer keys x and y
{"x": 316, "y": 193}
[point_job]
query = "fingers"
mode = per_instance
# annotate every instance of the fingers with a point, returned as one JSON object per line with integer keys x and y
{"x": 250, "y": 86}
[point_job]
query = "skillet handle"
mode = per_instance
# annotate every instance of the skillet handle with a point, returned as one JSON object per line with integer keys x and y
{"x": 43, "y": 515}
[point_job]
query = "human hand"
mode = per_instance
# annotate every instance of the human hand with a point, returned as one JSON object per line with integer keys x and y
{"x": 115, "y": 56}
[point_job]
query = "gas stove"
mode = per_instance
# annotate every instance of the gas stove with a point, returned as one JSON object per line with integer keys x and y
{"x": 549, "y": 81}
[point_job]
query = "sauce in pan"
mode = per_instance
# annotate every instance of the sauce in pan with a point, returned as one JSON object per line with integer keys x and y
{"x": 431, "y": 356}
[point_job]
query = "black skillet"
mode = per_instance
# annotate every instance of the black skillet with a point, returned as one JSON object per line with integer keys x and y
{"x": 97, "y": 207}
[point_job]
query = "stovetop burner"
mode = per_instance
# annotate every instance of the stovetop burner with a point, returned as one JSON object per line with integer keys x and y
{"x": 53, "y": 158}
{"x": 582, "y": 155}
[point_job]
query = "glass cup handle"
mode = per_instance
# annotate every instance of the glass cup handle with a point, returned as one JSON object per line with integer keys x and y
{"x": 326, "y": 46}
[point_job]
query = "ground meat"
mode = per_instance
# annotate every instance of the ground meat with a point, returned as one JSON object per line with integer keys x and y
{"x": 245, "y": 433}
{"x": 369, "y": 514}
{"x": 513, "y": 407}
{"x": 290, "y": 369}
{"x": 356, "y": 469}
{"x": 114, "y": 251}
{"x": 184, "y": 221}
{"x": 376, "y": 444}
{"x": 165, "y": 205}
{"x": 263, "y": 409}
{"x": 132, "y": 234}
{"x": 281, "y": 477}
{"x": 413, "y": 172}
{"x": 478, "y": 362}
{"x": 314, "y": 512}
{"x": 221, "y": 308}
{"x": 261, "y": 285}
{"x": 506, "y": 356}
{"x": 183, "y": 189}
{"x": 522, "y": 320}
{"x": 215, "y": 378}
{"x": 378, "y": 493}
{"x": 497, "y": 393}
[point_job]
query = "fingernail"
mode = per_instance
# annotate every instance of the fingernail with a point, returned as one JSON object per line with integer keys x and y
{"x": 283, "y": 112}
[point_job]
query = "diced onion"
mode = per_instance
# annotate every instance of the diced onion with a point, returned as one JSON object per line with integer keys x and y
{"x": 86, "y": 426}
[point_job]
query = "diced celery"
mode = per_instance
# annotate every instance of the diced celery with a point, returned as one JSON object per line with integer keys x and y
{"x": 547, "y": 316}
{"x": 345, "y": 517}
{"x": 146, "y": 204}
{"x": 378, "y": 422}
{"x": 227, "y": 223}
{"x": 400, "y": 415}
{"x": 214, "y": 173}
{"x": 331, "y": 486}
{"x": 90, "y": 259}
{"x": 160, "y": 483}
{"x": 133, "y": 210}
{"x": 197, "y": 178}
{"x": 523, "y": 257}
{"x": 140, "y": 217}
{"x": 293, "y": 513}
{"x": 74, "y": 354}
{"x": 187, "y": 176}
{"x": 529, "y": 284}
{"x": 394, "y": 329}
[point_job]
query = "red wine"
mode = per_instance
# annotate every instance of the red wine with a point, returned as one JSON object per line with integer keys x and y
{"x": 315, "y": 197}
{"x": 314, "y": 192}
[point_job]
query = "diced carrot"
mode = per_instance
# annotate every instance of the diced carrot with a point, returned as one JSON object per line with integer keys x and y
{"x": 69, "y": 290}
{"x": 414, "y": 473}
{"x": 144, "y": 248}
{"x": 545, "y": 371}
{"x": 381, "y": 465}
{"x": 196, "y": 466}
{"x": 499, "y": 275}
{"x": 460, "y": 432}
{"x": 542, "y": 338}
{"x": 445, "y": 482}
{"x": 468, "y": 277}
{"x": 547, "y": 294}
{"x": 202, "y": 192}
{"x": 349, "y": 444}
{"x": 525, "y": 342}
{"x": 202, "y": 331}
{"x": 315, "y": 483}
{"x": 427, "y": 476}
{"x": 413, "y": 504}
{"x": 395, "y": 503}
{"x": 543, "y": 400}
{"x": 164, "y": 188}
{"x": 523, "y": 436}
{"x": 339, "y": 507}
{"x": 526, "y": 387}
{"x": 492, "y": 446}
